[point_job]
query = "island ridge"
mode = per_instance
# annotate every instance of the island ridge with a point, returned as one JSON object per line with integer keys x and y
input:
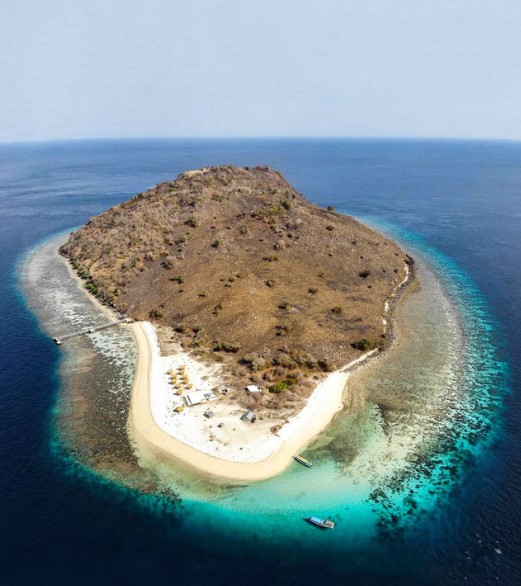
{"x": 247, "y": 285}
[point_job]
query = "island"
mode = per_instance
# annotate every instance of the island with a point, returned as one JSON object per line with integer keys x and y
{"x": 250, "y": 307}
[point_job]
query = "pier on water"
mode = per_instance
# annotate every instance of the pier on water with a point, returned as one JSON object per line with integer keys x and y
{"x": 91, "y": 330}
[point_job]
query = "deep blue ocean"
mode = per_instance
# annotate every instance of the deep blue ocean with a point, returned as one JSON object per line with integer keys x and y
{"x": 461, "y": 199}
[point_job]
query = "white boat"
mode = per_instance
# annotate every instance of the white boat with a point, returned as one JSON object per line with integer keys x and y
{"x": 302, "y": 461}
{"x": 322, "y": 523}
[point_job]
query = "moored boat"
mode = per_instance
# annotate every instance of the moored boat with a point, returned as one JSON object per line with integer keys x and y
{"x": 322, "y": 523}
{"x": 302, "y": 461}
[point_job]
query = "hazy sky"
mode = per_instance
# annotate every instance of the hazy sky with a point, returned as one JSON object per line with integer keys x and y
{"x": 123, "y": 68}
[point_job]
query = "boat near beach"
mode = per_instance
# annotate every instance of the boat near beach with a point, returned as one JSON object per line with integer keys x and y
{"x": 322, "y": 523}
{"x": 302, "y": 461}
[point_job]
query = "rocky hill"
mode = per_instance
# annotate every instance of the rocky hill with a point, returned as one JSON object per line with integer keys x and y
{"x": 244, "y": 270}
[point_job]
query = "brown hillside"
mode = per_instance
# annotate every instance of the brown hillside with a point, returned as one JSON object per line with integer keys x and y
{"x": 244, "y": 268}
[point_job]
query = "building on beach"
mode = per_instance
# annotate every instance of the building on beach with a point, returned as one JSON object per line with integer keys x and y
{"x": 197, "y": 397}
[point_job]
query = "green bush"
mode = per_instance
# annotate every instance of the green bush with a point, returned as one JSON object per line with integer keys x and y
{"x": 226, "y": 347}
{"x": 92, "y": 288}
{"x": 279, "y": 387}
{"x": 364, "y": 344}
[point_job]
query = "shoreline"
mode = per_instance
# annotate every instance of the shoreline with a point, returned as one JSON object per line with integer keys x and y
{"x": 109, "y": 312}
{"x": 144, "y": 430}
{"x": 326, "y": 401}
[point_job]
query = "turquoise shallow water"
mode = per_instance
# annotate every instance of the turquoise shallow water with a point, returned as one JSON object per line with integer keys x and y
{"x": 432, "y": 407}
{"x": 421, "y": 413}
{"x": 449, "y": 425}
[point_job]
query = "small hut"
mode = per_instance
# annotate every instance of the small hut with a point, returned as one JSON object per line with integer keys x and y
{"x": 248, "y": 416}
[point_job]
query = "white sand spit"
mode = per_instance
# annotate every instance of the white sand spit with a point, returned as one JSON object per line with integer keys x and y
{"x": 235, "y": 450}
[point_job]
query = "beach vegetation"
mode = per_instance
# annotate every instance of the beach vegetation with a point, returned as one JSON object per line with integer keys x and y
{"x": 365, "y": 344}
{"x": 326, "y": 365}
{"x": 304, "y": 359}
{"x": 255, "y": 361}
{"x": 92, "y": 288}
{"x": 285, "y": 360}
{"x": 279, "y": 387}
{"x": 226, "y": 347}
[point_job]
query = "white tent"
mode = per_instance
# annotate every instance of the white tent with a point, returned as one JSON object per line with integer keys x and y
{"x": 199, "y": 397}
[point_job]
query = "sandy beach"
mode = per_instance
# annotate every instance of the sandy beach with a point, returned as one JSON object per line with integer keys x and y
{"x": 222, "y": 446}
{"x": 253, "y": 452}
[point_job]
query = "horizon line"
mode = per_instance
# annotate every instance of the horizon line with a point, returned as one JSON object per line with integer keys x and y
{"x": 261, "y": 137}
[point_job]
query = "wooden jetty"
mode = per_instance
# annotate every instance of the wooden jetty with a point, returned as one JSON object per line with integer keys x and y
{"x": 91, "y": 330}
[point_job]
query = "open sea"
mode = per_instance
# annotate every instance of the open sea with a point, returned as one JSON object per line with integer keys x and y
{"x": 422, "y": 476}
